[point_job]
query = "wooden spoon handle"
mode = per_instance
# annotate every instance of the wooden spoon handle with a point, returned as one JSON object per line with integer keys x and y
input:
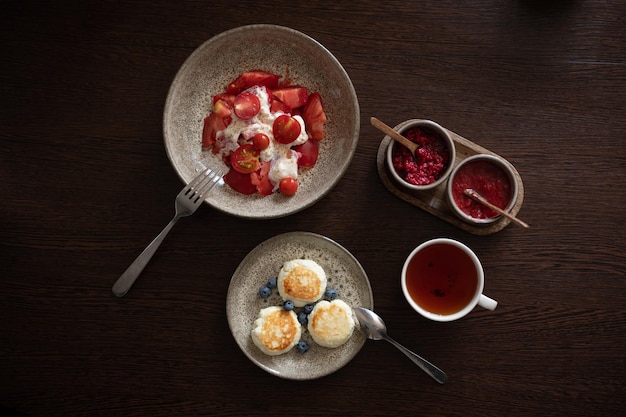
{"x": 393, "y": 134}
{"x": 475, "y": 196}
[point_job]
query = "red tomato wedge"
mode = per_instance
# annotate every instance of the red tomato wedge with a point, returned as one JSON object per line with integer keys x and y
{"x": 294, "y": 96}
{"x": 307, "y": 153}
{"x": 222, "y": 108}
{"x": 314, "y": 117}
{"x": 242, "y": 183}
{"x": 278, "y": 105}
{"x": 247, "y": 105}
{"x": 286, "y": 129}
{"x": 252, "y": 78}
{"x": 228, "y": 98}
{"x": 245, "y": 159}
{"x": 261, "y": 179}
{"x": 213, "y": 123}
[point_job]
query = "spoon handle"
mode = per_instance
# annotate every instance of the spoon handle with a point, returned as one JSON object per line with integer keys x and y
{"x": 482, "y": 200}
{"x": 436, "y": 373}
{"x": 393, "y": 134}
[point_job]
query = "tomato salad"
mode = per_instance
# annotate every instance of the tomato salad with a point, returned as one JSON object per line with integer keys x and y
{"x": 265, "y": 130}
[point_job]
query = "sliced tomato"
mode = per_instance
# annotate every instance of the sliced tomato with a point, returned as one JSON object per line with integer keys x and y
{"x": 293, "y": 96}
{"x": 222, "y": 108}
{"x": 286, "y": 129}
{"x": 307, "y": 153}
{"x": 252, "y": 78}
{"x": 288, "y": 186}
{"x": 260, "y": 141}
{"x": 314, "y": 117}
{"x": 228, "y": 98}
{"x": 245, "y": 159}
{"x": 261, "y": 179}
{"x": 213, "y": 123}
{"x": 242, "y": 183}
{"x": 278, "y": 105}
{"x": 247, "y": 105}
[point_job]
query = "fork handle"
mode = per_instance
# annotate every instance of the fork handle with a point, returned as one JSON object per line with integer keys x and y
{"x": 128, "y": 278}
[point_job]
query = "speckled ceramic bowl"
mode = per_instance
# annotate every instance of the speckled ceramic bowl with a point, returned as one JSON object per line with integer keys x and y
{"x": 489, "y": 183}
{"x": 221, "y": 59}
{"x": 430, "y": 126}
{"x": 243, "y": 303}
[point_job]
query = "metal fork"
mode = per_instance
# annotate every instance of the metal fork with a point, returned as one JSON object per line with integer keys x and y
{"x": 187, "y": 202}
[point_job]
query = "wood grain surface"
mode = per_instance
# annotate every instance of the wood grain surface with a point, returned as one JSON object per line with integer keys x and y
{"x": 86, "y": 184}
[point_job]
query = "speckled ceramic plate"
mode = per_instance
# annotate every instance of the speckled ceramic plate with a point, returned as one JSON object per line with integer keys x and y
{"x": 243, "y": 303}
{"x": 221, "y": 59}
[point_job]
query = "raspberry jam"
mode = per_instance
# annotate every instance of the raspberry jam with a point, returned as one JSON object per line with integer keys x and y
{"x": 489, "y": 180}
{"x": 430, "y": 161}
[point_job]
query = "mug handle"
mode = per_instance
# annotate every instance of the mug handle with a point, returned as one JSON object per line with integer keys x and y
{"x": 486, "y": 302}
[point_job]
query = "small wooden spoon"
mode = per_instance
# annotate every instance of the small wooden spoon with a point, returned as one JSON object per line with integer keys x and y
{"x": 474, "y": 195}
{"x": 394, "y": 135}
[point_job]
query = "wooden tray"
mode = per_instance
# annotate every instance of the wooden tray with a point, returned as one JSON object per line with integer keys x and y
{"x": 434, "y": 201}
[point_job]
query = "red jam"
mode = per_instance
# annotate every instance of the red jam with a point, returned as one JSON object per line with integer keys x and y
{"x": 489, "y": 180}
{"x": 431, "y": 158}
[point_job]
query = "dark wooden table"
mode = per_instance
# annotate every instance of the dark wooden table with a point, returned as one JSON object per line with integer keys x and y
{"x": 86, "y": 184}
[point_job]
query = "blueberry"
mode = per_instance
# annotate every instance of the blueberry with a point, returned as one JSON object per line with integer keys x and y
{"x": 308, "y": 308}
{"x": 303, "y": 318}
{"x": 271, "y": 283}
{"x": 302, "y": 346}
{"x": 288, "y": 305}
{"x": 265, "y": 291}
{"x": 330, "y": 294}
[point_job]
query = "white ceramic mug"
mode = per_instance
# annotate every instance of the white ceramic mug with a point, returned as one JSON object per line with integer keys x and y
{"x": 443, "y": 280}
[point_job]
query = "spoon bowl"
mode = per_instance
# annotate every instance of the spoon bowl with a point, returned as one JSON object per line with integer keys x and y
{"x": 373, "y": 326}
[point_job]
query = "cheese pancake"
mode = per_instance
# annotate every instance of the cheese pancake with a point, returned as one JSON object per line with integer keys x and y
{"x": 276, "y": 330}
{"x": 331, "y": 324}
{"x": 302, "y": 281}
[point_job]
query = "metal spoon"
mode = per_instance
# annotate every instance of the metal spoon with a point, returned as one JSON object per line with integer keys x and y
{"x": 374, "y": 328}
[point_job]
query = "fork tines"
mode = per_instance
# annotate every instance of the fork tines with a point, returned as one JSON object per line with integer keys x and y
{"x": 202, "y": 184}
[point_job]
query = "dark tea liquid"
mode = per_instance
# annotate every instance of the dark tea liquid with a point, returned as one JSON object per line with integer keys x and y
{"x": 442, "y": 279}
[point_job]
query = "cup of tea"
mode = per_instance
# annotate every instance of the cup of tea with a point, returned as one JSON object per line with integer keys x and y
{"x": 443, "y": 280}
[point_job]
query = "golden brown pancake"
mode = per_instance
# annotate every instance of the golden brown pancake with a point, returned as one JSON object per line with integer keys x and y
{"x": 276, "y": 330}
{"x": 331, "y": 324}
{"x": 302, "y": 281}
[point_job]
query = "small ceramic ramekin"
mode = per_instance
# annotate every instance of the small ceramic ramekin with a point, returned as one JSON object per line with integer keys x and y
{"x": 490, "y": 176}
{"x": 430, "y": 127}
